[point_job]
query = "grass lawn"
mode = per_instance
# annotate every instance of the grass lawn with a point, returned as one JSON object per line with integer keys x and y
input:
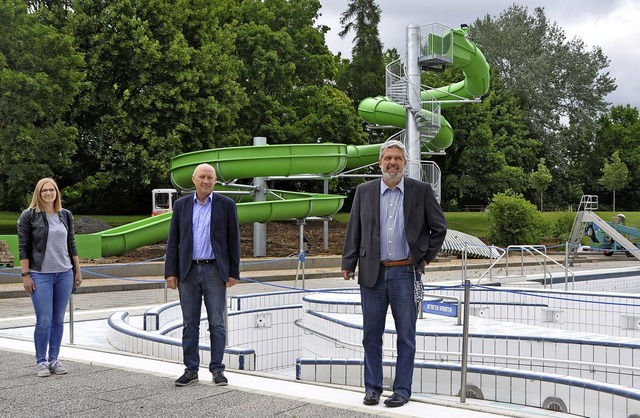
{"x": 472, "y": 223}
{"x": 477, "y": 223}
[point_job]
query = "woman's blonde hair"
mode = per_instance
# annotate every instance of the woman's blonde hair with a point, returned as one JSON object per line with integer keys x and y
{"x": 37, "y": 202}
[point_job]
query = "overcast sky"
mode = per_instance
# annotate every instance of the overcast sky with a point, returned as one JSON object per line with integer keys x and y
{"x": 612, "y": 25}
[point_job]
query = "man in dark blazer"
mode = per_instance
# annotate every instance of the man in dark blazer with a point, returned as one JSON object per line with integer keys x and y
{"x": 202, "y": 260}
{"x": 395, "y": 229}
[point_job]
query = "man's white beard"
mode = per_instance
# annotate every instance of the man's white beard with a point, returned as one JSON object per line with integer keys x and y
{"x": 393, "y": 176}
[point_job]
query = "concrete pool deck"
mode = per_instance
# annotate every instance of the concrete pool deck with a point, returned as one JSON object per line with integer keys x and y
{"x": 103, "y": 382}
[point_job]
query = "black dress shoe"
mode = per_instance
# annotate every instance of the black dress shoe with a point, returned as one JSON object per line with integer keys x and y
{"x": 395, "y": 400}
{"x": 371, "y": 398}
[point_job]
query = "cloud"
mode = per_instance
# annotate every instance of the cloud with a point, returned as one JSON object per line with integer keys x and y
{"x": 616, "y": 31}
{"x": 613, "y": 28}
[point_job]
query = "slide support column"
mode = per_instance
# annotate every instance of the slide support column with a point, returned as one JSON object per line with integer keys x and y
{"x": 415, "y": 102}
{"x": 259, "y": 229}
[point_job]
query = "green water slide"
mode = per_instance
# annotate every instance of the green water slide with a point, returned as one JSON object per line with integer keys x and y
{"x": 237, "y": 163}
{"x": 323, "y": 160}
{"x": 466, "y": 56}
{"x": 291, "y": 160}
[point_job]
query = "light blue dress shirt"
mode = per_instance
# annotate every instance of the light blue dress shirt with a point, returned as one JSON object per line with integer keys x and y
{"x": 201, "y": 224}
{"x": 393, "y": 240}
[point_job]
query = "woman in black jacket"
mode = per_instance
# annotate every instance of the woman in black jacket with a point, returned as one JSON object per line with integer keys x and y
{"x": 50, "y": 270}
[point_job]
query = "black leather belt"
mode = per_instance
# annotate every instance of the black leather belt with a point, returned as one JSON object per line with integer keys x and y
{"x": 395, "y": 263}
{"x": 205, "y": 261}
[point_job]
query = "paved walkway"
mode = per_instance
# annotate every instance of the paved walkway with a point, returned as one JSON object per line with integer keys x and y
{"x": 107, "y": 383}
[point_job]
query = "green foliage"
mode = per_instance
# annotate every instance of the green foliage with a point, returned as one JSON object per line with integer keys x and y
{"x": 364, "y": 75}
{"x": 492, "y": 150}
{"x": 160, "y": 81}
{"x": 553, "y": 77}
{"x": 615, "y": 175}
{"x": 560, "y": 85}
{"x": 562, "y": 226}
{"x": 285, "y": 66}
{"x": 513, "y": 220}
{"x": 40, "y": 75}
{"x": 541, "y": 179}
{"x": 108, "y": 92}
{"x": 619, "y": 130}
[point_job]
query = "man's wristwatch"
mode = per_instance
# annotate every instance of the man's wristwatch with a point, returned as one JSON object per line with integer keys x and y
{"x": 26, "y": 274}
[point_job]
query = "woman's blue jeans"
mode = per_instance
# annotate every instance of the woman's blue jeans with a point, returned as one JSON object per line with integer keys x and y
{"x": 203, "y": 282}
{"x": 395, "y": 288}
{"x": 50, "y": 299}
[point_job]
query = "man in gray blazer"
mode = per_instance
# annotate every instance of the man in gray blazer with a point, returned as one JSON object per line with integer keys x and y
{"x": 202, "y": 260}
{"x": 395, "y": 229}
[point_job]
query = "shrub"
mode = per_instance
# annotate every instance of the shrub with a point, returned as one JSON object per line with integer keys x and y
{"x": 514, "y": 220}
{"x": 563, "y": 226}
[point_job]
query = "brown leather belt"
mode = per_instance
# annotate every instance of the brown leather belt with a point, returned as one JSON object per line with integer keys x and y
{"x": 395, "y": 263}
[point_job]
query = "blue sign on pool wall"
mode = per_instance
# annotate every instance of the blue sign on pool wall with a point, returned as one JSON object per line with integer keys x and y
{"x": 440, "y": 308}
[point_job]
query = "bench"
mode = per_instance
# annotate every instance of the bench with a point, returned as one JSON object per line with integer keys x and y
{"x": 474, "y": 208}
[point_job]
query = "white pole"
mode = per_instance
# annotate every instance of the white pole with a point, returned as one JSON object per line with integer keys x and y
{"x": 415, "y": 102}
{"x": 259, "y": 229}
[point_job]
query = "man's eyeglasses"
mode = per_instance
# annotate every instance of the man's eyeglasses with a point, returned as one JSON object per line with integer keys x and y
{"x": 47, "y": 190}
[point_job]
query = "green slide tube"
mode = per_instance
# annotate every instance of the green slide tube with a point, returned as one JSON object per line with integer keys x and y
{"x": 383, "y": 111}
{"x": 231, "y": 163}
{"x": 325, "y": 159}
{"x": 475, "y": 68}
{"x": 469, "y": 59}
{"x": 261, "y": 161}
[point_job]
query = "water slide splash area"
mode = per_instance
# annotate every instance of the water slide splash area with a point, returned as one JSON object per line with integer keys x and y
{"x": 318, "y": 160}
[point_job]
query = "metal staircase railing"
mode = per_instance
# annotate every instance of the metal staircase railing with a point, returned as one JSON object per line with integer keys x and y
{"x": 396, "y": 83}
{"x": 397, "y": 89}
{"x": 587, "y": 202}
{"x": 428, "y": 120}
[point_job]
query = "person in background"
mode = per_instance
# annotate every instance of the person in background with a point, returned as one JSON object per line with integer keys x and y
{"x": 395, "y": 229}
{"x": 202, "y": 261}
{"x": 50, "y": 270}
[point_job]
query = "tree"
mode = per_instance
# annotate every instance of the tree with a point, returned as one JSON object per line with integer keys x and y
{"x": 554, "y": 78}
{"x": 287, "y": 70}
{"x": 619, "y": 130}
{"x": 492, "y": 149}
{"x": 40, "y": 76}
{"x": 615, "y": 175}
{"x": 365, "y": 75}
{"x": 540, "y": 180}
{"x": 559, "y": 83}
{"x": 161, "y": 80}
